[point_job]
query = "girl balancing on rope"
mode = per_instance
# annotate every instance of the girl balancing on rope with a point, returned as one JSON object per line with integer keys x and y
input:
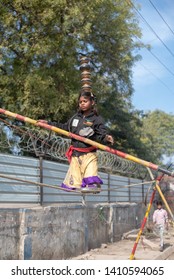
{"x": 83, "y": 170}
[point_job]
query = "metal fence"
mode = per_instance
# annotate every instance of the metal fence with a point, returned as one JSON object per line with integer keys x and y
{"x": 34, "y": 180}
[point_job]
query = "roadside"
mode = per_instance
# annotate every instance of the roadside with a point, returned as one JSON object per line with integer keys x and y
{"x": 147, "y": 248}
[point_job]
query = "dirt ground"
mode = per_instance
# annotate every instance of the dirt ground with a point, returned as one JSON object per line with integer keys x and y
{"x": 147, "y": 248}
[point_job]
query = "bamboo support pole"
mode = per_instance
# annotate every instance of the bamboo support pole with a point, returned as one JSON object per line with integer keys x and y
{"x": 156, "y": 188}
{"x": 142, "y": 225}
{"x": 86, "y": 140}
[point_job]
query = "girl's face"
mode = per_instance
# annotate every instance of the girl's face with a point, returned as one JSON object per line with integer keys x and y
{"x": 85, "y": 104}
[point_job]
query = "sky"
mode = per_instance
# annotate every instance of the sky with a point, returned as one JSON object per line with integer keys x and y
{"x": 153, "y": 75}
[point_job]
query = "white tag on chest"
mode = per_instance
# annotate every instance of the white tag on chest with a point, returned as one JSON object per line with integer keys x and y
{"x": 75, "y": 122}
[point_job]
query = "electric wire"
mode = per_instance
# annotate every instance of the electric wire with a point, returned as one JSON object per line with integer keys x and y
{"x": 161, "y": 16}
{"x": 150, "y": 27}
{"x": 148, "y": 70}
{"x": 152, "y": 53}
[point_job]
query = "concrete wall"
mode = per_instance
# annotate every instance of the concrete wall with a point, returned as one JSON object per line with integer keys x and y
{"x": 63, "y": 231}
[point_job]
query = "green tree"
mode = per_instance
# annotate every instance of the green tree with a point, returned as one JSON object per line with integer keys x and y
{"x": 158, "y": 135}
{"x": 40, "y": 45}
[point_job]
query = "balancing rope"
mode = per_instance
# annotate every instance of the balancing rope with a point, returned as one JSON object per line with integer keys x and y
{"x": 59, "y": 188}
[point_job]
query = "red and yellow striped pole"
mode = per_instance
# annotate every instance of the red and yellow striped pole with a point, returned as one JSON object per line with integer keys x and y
{"x": 86, "y": 140}
{"x": 142, "y": 225}
{"x": 156, "y": 188}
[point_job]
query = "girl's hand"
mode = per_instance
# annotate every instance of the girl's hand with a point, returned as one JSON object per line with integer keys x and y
{"x": 110, "y": 139}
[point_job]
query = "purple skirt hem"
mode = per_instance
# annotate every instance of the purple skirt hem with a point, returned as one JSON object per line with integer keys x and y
{"x": 67, "y": 188}
{"x": 90, "y": 181}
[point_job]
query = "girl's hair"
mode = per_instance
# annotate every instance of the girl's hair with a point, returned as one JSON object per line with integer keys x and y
{"x": 92, "y": 97}
{"x": 89, "y": 95}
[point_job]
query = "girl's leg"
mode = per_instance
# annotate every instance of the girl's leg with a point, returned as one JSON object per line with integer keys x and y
{"x": 73, "y": 179}
{"x": 89, "y": 169}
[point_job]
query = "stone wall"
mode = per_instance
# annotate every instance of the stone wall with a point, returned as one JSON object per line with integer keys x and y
{"x": 63, "y": 231}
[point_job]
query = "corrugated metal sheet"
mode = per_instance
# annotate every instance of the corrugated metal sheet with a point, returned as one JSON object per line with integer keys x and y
{"x": 22, "y": 168}
{"x": 114, "y": 189}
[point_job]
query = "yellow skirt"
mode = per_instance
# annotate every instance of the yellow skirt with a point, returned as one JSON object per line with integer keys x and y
{"x": 83, "y": 171}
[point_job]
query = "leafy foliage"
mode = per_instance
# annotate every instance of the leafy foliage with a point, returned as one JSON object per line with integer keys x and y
{"x": 40, "y": 46}
{"x": 158, "y": 134}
